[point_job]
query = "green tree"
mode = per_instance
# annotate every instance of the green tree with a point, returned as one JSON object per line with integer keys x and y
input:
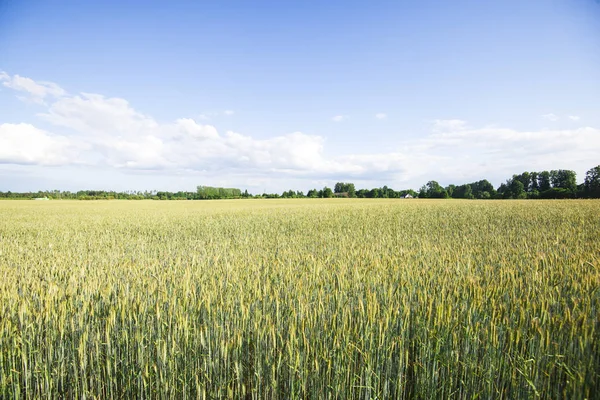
{"x": 351, "y": 190}
{"x": 534, "y": 182}
{"x": 564, "y": 179}
{"x": 433, "y": 190}
{"x": 483, "y": 189}
{"x": 450, "y": 189}
{"x": 525, "y": 179}
{"x": 362, "y": 193}
{"x": 209, "y": 192}
{"x": 384, "y": 192}
{"x": 345, "y": 187}
{"x": 463, "y": 192}
{"x": 544, "y": 181}
{"x": 591, "y": 183}
{"x": 517, "y": 189}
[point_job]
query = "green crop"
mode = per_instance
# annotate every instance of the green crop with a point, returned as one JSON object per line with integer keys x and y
{"x": 300, "y": 299}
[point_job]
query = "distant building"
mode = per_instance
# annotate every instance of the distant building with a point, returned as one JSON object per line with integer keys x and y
{"x": 343, "y": 194}
{"x": 407, "y": 196}
{"x": 41, "y": 198}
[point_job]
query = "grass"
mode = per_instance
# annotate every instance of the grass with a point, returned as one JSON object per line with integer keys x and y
{"x": 300, "y": 299}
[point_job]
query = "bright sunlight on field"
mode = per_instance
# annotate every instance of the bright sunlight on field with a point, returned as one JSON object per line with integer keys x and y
{"x": 300, "y": 299}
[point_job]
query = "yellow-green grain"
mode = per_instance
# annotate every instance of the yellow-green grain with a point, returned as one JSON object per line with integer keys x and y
{"x": 331, "y": 298}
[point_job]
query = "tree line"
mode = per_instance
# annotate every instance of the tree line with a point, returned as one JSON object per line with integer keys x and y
{"x": 555, "y": 184}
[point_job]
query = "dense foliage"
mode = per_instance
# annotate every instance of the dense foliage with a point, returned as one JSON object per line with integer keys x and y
{"x": 209, "y": 192}
{"x": 300, "y": 299}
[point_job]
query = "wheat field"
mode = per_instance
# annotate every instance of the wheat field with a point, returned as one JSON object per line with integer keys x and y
{"x": 298, "y": 299}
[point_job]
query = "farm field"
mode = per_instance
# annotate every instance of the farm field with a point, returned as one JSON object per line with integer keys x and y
{"x": 308, "y": 298}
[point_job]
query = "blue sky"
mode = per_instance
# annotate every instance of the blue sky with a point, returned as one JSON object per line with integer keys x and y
{"x": 270, "y": 95}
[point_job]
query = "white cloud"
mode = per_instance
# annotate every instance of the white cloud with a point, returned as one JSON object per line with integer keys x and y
{"x": 94, "y": 112}
{"x": 550, "y": 117}
{"x": 189, "y": 127}
{"x": 339, "y": 118}
{"x": 440, "y": 125}
{"x": 25, "y": 144}
{"x": 500, "y": 152}
{"x": 381, "y": 115}
{"x": 37, "y": 91}
{"x": 574, "y": 117}
{"x": 109, "y": 132}
{"x": 228, "y": 112}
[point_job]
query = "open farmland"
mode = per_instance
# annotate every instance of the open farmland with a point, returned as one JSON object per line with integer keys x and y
{"x": 300, "y": 299}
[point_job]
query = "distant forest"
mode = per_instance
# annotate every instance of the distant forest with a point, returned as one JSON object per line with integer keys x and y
{"x": 555, "y": 184}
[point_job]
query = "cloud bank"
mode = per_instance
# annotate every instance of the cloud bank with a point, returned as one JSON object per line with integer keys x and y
{"x": 88, "y": 129}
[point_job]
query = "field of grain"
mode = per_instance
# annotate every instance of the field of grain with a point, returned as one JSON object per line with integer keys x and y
{"x": 300, "y": 299}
